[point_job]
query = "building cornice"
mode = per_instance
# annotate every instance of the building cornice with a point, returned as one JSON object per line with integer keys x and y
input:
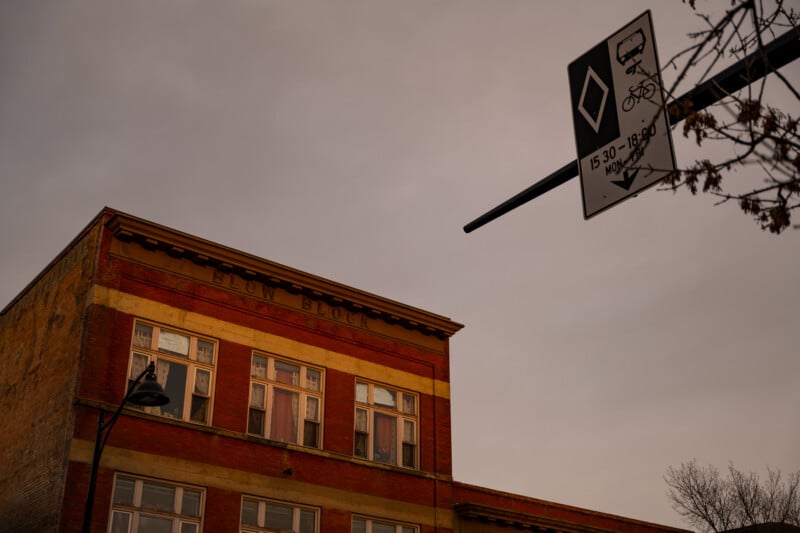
{"x": 545, "y": 516}
{"x": 184, "y": 246}
{"x": 519, "y": 521}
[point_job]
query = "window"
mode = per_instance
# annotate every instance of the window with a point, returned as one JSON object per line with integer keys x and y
{"x": 184, "y": 367}
{"x": 385, "y": 423}
{"x": 261, "y": 515}
{"x": 285, "y": 401}
{"x": 149, "y": 506}
{"x": 366, "y": 525}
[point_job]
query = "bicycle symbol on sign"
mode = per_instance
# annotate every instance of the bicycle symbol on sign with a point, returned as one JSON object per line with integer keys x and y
{"x": 644, "y": 90}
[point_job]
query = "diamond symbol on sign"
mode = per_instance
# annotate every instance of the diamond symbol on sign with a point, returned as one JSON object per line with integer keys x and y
{"x": 593, "y": 99}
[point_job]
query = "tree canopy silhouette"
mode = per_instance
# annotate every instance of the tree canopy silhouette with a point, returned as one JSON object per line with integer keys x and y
{"x": 711, "y": 502}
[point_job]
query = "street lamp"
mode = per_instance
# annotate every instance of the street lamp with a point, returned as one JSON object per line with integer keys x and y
{"x": 147, "y": 393}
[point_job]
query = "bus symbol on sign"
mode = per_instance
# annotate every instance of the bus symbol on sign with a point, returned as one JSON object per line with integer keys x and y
{"x": 629, "y": 48}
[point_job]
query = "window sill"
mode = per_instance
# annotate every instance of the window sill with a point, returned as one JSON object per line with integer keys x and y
{"x": 86, "y": 402}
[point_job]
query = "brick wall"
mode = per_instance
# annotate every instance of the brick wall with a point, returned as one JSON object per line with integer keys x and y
{"x": 40, "y": 343}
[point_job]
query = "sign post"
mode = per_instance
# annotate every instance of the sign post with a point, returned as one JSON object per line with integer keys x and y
{"x": 621, "y": 127}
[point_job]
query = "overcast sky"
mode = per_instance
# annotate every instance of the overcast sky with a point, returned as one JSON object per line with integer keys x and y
{"x": 353, "y": 140}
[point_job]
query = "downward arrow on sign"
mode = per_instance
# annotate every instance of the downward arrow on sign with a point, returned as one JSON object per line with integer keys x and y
{"x": 627, "y": 180}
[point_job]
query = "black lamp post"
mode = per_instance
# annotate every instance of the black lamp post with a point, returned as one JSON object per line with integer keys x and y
{"x": 147, "y": 393}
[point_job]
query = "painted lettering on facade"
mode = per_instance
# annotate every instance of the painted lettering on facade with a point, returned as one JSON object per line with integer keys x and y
{"x": 339, "y": 314}
{"x": 249, "y": 286}
{"x": 269, "y": 293}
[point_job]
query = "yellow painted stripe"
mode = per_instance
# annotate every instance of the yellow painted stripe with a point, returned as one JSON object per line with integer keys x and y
{"x": 206, "y": 475}
{"x": 206, "y": 325}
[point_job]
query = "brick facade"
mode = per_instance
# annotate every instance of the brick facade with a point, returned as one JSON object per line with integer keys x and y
{"x": 41, "y": 338}
{"x": 67, "y": 349}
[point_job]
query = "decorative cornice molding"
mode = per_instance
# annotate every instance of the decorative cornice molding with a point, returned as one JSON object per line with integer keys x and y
{"x": 184, "y": 246}
{"x": 519, "y": 521}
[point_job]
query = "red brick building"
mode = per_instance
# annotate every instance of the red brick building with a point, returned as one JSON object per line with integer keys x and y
{"x": 297, "y": 403}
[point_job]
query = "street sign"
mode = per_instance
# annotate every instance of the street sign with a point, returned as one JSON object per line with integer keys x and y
{"x": 621, "y": 127}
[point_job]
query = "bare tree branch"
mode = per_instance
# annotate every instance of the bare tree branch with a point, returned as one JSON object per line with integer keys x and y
{"x": 712, "y": 503}
{"x": 765, "y": 139}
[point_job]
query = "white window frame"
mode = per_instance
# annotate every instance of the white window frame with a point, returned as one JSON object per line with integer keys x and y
{"x": 200, "y": 362}
{"x": 369, "y": 522}
{"x": 134, "y": 510}
{"x": 403, "y": 418}
{"x": 262, "y": 503}
{"x": 262, "y": 398}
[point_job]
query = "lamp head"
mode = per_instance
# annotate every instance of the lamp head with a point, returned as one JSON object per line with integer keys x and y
{"x": 149, "y": 393}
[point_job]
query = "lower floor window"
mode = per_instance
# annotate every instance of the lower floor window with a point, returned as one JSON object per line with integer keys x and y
{"x": 262, "y": 515}
{"x": 149, "y": 506}
{"x": 367, "y": 525}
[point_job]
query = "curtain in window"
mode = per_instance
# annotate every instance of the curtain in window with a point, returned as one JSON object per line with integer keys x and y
{"x": 385, "y": 440}
{"x": 286, "y": 373}
{"x": 138, "y": 365}
{"x": 283, "y": 425}
{"x": 255, "y": 421}
{"x": 172, "y": 376}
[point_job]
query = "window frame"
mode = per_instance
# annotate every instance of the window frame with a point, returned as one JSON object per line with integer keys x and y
{"x": 134, "y": 511}
{"x": 364, "y": 432}
{"x": 193, "y": 361}
{"x": 262, "y": 503}
{"x": 399, "y": 527}
{"x": 306, "y": 395}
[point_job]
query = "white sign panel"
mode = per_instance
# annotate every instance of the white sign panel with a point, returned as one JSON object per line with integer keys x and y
{"x": 621, "y": 128}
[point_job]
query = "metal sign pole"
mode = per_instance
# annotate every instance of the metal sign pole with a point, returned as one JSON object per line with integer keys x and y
{"x": 775, "y": 55}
